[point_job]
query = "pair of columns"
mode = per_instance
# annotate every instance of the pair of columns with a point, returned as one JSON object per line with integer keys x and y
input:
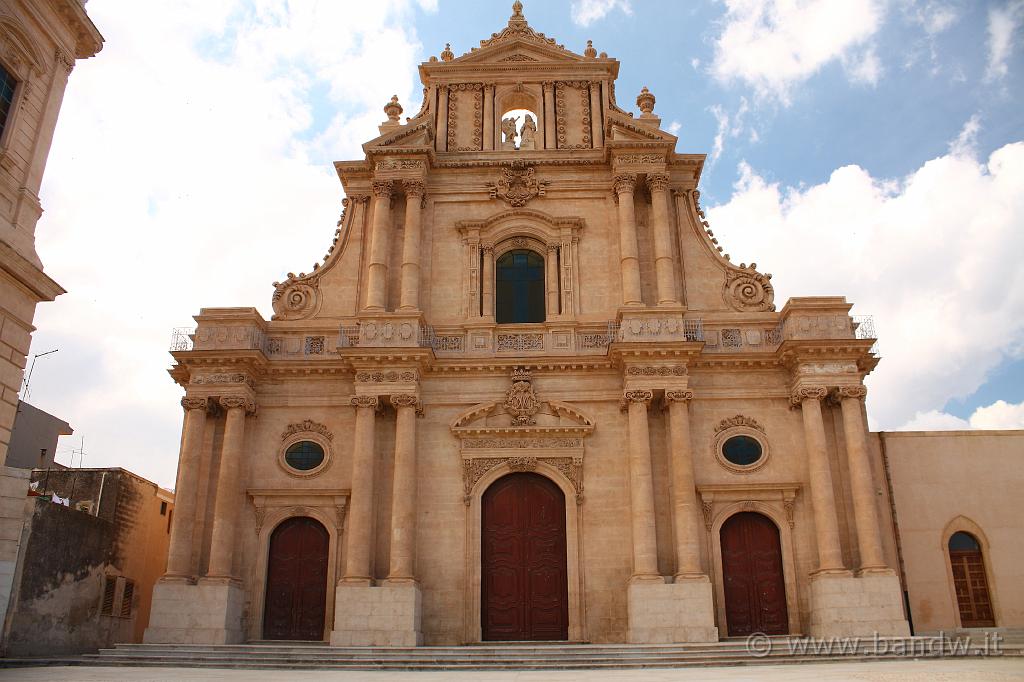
{"x": 229, "y": 489}
{"x": 641, "y": 484}
{"x": 380, "y": 244}
{"x": 826, "y": 524}
{"x": 359, "y": 545}
{"x": 658, "y": 184}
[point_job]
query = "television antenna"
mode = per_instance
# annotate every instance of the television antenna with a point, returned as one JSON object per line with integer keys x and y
{"x": 28, "y": 379}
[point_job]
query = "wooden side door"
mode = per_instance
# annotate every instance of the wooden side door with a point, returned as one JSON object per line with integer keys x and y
{"x": 971, "y": 585}
{"x": 755, "y": 588}
{"x": 296, "y": 599}
{"x": 524, "y": 576}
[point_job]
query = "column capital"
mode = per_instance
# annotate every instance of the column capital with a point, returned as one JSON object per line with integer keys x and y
{"x": 364, "y": 401}
{"x": 414, "y": 188}
{"x": 195, "y": 403}
{"x": 807, "y": 392}
{"x": 624, "y": 182}
{"x": 857, "y": 392}
{"x": 548, "y": 86}
{"x": 487, "y": 248}
{"x": 678, "y": 396}
{"x": 407, "y": 400}
{"x": 382, "y": 188}
{"x": 552, "y": 246}
{"x": 657, "y": 182}
{"x": 234, "y": 402}
{"x": 636, "y": 396}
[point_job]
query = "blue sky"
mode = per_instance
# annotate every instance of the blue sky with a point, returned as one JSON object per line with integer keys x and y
{"x": 867, "y": 148}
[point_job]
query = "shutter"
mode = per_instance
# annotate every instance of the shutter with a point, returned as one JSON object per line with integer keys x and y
{"x": 109, "y": 587}
{"x": 126, "y": 599}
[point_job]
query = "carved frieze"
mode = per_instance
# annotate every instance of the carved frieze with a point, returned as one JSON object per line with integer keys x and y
{"x": 388, "y": 376}
{"x": 474, "y": 468}
{"x": 656, "y": 370}
{"x": 223, "y": 378}
{"x": 400, "y": 164}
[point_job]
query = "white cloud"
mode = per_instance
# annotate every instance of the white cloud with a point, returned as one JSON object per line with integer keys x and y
{"x": 192, "y": 167}
{"x": 966, "y": 142}
{"x": 933, "y": 256}
{"x": 674, "y": 127}
{"x": 1003, "y": 22}
{"x": 773, "y": 45}
{"x": 998, "y": 415}
{"x": 586, "y": 12}
{"x": 935, "y": 420}
{"x": 729, "y": 126}
{"x": 933, "y": 16}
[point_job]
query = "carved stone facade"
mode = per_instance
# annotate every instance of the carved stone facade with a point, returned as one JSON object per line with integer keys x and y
{"x": 647, "y": 361}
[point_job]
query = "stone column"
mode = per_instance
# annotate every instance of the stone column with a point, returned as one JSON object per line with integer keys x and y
{"x": 641, "y": 488}
{"x": 442, "y": 118}
{"x": 551, "y": 279}
{"x": 179, "y": 553}
{"x": 487, "y": 281}
{"x": 225, "y": 515}
{"x": 550, "y": 142}
{"x": 403, "y": 495}
{"x": 826, "y": 525}
{"x": 410, "y": 299}
{"x": 380, "y": 238}
{"x": 685, "y": 508}
{"x": 488, "y": 117}
{"x": 663, "y": 265}
{"x": 869, "y": 539}
{"x": 360, "y": 514}
{"x": 628, "y": 250}
{"x": 596, "y": 133}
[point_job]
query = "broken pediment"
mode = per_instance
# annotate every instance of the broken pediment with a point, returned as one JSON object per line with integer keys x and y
{"x": 623, "y": 129}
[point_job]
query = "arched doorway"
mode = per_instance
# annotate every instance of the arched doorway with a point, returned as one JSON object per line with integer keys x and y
{"x": 296, "y": 600}
{"x": 519, "y": 290}
{"x": 754, "y": 585}
{"x": 970, "y": 581}
{"x": 524, "y": 578}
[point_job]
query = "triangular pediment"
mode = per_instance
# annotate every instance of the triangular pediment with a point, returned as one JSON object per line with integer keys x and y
{"x": 518, "y": 49}
{"x": 410, "y": 135}
{"x": 622, "y": 129}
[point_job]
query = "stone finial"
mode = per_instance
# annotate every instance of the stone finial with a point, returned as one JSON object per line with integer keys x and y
{"x": 645, "y": 100}
{"x": 590, "y": 51}
{"x": 517, "y": 9}
{"x": 447, "y": 55}
{"x": 393, "y": 109}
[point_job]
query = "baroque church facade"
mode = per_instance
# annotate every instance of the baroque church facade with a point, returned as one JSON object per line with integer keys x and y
{"x": 526, "y": 396}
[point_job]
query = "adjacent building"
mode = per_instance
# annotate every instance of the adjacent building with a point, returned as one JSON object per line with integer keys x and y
{"x": 527, "y": 396}
{"x": 34, "y": 438}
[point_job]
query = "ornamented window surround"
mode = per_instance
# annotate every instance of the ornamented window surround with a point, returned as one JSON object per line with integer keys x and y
{"x": 272, "y": 506}
{"x": 483, "y": 238}
{"x": 777, "y": 501}
{"x": 740, "y": 426}
{"x": 297, "y": 433}
{"x": 22, "y": 60}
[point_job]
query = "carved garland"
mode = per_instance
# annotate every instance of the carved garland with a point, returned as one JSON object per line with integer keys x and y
{"x": 306, "y": 426}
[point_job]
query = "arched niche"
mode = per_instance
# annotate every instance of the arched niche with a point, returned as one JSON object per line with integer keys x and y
{"x": 517, "y": 100}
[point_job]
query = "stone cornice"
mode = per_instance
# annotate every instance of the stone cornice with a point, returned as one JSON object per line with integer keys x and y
{"x": 27, "y": 274}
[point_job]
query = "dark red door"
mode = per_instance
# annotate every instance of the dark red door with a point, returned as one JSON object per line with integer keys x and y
{"x": 524, "y": 586}
{"x": 296, "y": 601}
{"x": 755, "y": 591}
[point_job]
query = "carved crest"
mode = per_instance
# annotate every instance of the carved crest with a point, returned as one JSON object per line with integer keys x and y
{"x": 520, "y": 400}
{"x": 738, "y": 420}
{"x": 517, "y": 185}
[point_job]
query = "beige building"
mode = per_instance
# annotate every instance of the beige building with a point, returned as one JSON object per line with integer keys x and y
{"x": 525, "y": 396}
{"x": 39, "y": 43}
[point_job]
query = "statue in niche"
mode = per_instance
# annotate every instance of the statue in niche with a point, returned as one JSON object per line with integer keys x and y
{"x": 528, "y": 133}
{"x": 508, "y": 129}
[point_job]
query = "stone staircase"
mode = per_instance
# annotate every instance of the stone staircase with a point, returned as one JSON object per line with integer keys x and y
{"x": 529, "y": 655}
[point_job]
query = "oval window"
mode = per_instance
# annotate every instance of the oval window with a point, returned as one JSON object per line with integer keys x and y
{"x": 741, "y": 450}
{"x": 304, "y": 455}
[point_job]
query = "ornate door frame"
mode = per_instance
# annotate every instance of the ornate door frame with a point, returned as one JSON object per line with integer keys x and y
{"x": 272, "y": 506}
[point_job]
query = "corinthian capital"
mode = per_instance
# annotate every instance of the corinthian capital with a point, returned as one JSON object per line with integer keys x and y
{"x": 807, "y": 392}
{"x": 382, "y": 189}
{"x": 856, "y": 392}
{"x": 679, "y": 396}
{"x": 414, "y": 188}
{"x": 657, "y": 182}
{"x": 624, "y": 182}
{"x": 406, "y": 400}
{"x": 194, "y": 403}
{"x": 369, "y": 401}
{"x": 234, "y": 402}
{"x": 636, "y": 396}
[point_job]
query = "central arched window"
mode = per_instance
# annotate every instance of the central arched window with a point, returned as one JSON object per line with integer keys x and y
{"x": 519, "y": 290}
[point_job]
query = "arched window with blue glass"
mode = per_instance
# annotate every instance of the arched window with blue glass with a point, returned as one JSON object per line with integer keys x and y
{"x": 519, "y": 287}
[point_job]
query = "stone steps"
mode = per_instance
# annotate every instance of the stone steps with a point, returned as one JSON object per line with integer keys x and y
{"x": 514, "y": 656}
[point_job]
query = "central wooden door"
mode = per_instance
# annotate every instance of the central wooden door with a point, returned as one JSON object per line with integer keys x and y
{"x": 970, "y": 582}
{"x": 524, "y": 580}
{"x": 296, "y": 601}
{"x": 755, "y": 590}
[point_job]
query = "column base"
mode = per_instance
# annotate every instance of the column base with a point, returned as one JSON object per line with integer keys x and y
{"x": 388, "y": 615}
{"x": 184, "y": 612}
{"x": 847, "y": 606}
{"x": 676, "y": 612}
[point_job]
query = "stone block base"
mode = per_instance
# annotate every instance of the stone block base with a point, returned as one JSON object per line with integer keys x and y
{"x": 206, "y": 613}
{"x": 388, "y": 615}
{"x": 661, "y": 613}
{"x": 848, "y": 606}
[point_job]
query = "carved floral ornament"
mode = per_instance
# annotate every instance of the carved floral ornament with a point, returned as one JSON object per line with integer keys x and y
{"x": 747, "y": 290}
{"x": 739, "y": 420}
{"x": 306, "y": 426}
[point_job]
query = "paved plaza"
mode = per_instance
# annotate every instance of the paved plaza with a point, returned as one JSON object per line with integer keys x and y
{"x": 959, "y": 670}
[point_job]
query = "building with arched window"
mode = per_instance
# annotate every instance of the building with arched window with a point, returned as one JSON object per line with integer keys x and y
{"x": 525, "y": 396}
